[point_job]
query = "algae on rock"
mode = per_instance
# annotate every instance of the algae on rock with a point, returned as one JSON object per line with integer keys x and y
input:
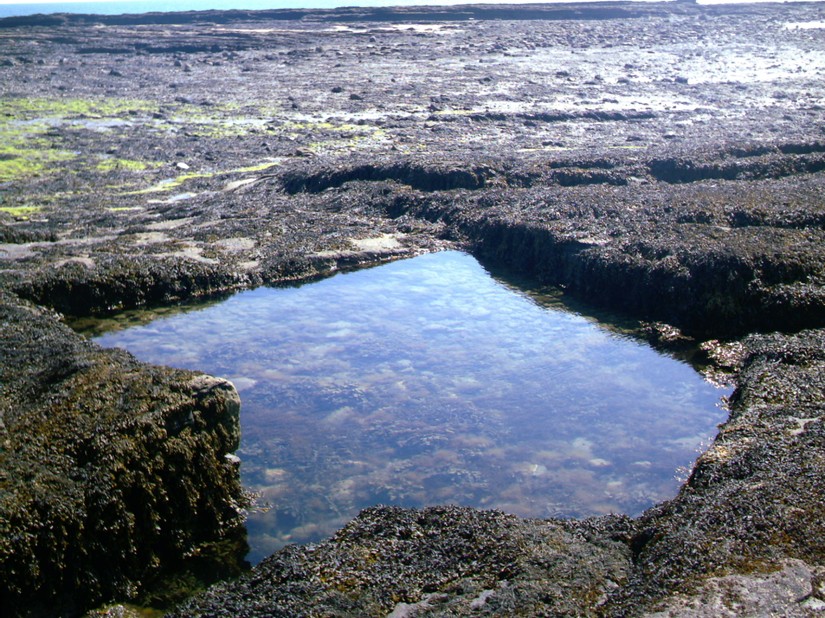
{"x": 103, "y": 465}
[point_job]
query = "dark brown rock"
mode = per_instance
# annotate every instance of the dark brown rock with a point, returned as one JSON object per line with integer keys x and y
{"x": 103, "y": 465}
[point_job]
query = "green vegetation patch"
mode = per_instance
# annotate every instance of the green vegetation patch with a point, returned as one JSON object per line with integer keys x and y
{"x": 171, "y": 183}
{"x": 20, "y": 212}
{"x": 126, "y": 165}
{"x": 26, "y": 149}
{"x": 30, "y": 146}
{"x": 174, "y": 183}
{"x": 214, "y": 121}
{"x": 313, "y": 126}
{"x": 217, "y": 128}
{"x": 124, "y": 208}
{"x": 25, "y": 108}
{"x": 17, "y": 162}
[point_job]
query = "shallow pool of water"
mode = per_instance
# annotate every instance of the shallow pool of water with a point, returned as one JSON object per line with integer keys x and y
{"x": 427, "y": 381}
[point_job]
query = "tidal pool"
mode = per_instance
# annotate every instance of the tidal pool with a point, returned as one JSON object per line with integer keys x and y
{"x": 427, "y": 381}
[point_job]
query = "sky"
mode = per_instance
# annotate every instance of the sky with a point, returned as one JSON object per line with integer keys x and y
{"x": 206, "y": 3}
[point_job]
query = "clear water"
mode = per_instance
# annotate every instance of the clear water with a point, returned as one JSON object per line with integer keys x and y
{"x": 428, "y": 381}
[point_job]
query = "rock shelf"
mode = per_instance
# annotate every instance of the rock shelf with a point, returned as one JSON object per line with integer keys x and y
{"x": 663, "y": 160}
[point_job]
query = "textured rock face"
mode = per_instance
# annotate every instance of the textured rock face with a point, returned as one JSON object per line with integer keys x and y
{"x": 112, "y": 472}
{"x": 435, "y": 562}
{"x": 793, "y": 591}
{"x": 753, "y": 501}
{"x": 715, "y": 260}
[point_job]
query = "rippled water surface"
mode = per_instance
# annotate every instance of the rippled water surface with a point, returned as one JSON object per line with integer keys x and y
{"x": 427, "y": 381}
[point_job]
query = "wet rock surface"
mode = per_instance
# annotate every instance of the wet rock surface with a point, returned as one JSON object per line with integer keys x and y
{"x": 663, "y": 160}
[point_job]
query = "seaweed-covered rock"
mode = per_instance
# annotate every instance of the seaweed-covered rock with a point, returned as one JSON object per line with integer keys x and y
{"x": 753, "y": 504}
{"x": 437, "y": 561}
{"x": 104, "y": 465}
{"x": 664, "y": 160}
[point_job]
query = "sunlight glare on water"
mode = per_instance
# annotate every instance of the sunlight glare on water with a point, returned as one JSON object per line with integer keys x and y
{"x": 427, "y": 381}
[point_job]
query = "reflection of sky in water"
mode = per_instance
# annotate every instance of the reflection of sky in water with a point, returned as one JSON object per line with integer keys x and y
{"x": 426, "y": 381}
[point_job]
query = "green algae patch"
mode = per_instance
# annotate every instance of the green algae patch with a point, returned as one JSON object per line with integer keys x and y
{"x": 30, "y": 146}
{"x": 27, "y": 108}
{"x": 20, "y": 212}
{"x": 18, "y": 163}
{"x": 24, "y": 151}
{"x": 215, "y": 121}
{"x": 320, "y": 125}
{"x": 34, "y": 143}
{"x": 124, "y": 209}
{"x": 171, "y": 183}
{"x": 38, "y": 115}
{"x": 126, "y": 165}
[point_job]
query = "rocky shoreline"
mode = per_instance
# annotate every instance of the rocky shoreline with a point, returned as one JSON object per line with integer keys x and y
{"x": 663, "y": 160}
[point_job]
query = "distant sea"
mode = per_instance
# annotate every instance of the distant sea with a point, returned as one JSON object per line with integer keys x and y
{"x": 119, "y": 7}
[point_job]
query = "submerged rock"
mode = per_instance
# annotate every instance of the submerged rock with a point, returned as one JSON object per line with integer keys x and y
{"x": 743, "y": 535}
